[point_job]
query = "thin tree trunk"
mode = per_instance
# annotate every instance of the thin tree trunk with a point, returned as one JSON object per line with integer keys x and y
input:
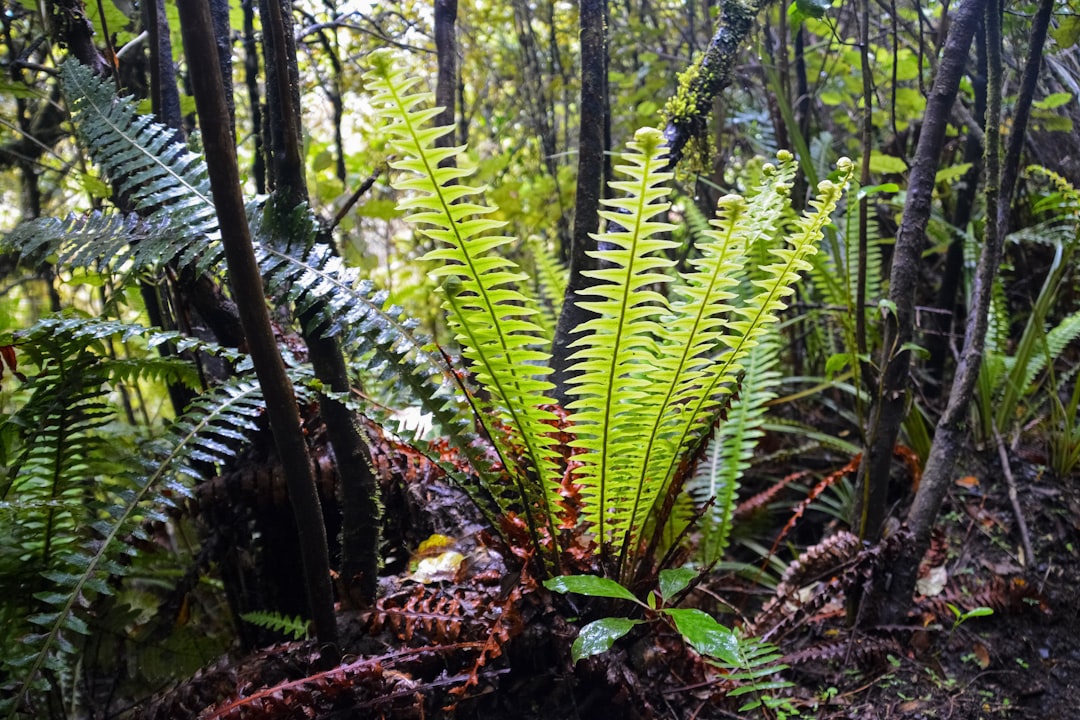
{"x": 890, "y": 401}
{"x": 197, "y": 27}
{"x": 287, "y": 178}
{"x": 942, "y": 323}
{"x": 594, "y": 110}
{"x": 446, "y": 52}
{"x": 360, "y": 509}
{"x": 251, "y": 80}
{"x": 951, "y": 431}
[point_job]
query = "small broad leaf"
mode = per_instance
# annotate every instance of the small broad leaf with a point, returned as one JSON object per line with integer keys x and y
{"x": 887, "y": 164}
{"x": 813, "y": 8}
{"x": 598, "y": 636}
{"x": 706, "y": 635}
{"x": 875, "y": 189}
{"x": 836, "y": 363}
{"x": 674, "y": 580}
{"x": 980, "y": 611}
{"x": 1067, "y": 33}
{"x": 951, "y": 173}
{"x": 590, "y": 585}
{"x": 1053, "y": 100}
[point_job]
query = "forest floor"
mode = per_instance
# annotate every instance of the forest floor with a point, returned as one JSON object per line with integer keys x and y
{"x": 1022, "y": 661}
{"x": 494, "y": 645}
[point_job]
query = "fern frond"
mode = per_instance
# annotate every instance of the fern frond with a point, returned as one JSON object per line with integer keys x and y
{"x": 773, "y": 290}
{"x": 206, "y": 434}
{"x": 383, "y": 342}
{"x": 295, "y": 627}
{"x": 550, "y": 280}
{"x": 490, "y": 315}
{"x": 612, "y": 375}
{"x": 165, "y": 183}
{"x": 88, "y": 240}
{"x": 732, "y": 448}
{"x": 1055, "y": 342}
{"x": 698, "y": 328}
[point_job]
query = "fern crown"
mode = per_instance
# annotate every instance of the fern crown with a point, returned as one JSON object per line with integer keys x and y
{"x": 650, "y": 371}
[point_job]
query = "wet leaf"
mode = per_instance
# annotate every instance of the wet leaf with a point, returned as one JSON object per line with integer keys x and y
{"x": 598, "y": 636}
{"x": 674, "y": 580}
{"x": 706, "y": 635}
{"x": 590, "y": 585}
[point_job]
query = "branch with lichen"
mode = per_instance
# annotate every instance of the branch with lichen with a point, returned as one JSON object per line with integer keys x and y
{"x": 688, "y": 110}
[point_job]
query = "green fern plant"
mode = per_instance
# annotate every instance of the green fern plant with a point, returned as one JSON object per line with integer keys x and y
{"x": 1011, "y": 375}
{"x": 649, "y": 374}
{"x": 77, "y": 499}
{"x": 295, "y": 627}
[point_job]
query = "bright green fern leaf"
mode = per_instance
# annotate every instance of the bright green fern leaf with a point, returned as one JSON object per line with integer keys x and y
{"x": 492, "y": 318}
{"x": 614, "y": 379}
{"x": 700, "y": 325}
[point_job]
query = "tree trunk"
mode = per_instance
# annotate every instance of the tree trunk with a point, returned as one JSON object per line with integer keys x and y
{"x": 213, "y": 110}
{"x": 951, "y": 428}
{"x": 889, "y": 404}
{"x": 591, "y": 147}
{"x": 359, "y": 490}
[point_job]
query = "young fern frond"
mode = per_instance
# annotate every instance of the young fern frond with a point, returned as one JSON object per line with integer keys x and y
{"x": 750, "y": 321}
{"x": 697, "y": 329}
{"x": 732, "y": 448}
{"x": 490, "y": 315}
{"x": 614, "y": 376}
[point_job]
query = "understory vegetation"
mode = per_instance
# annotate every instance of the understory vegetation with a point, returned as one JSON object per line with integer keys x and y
{"x": 538, "y": 359}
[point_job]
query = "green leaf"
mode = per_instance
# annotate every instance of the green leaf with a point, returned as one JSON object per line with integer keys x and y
{"x": 836, "y": 363}
{"x": 813, "y": 8}
{"x": 1067, "y": 33}
{"x": 322, "y": 161}
{"x": 887, "y": 164}
{"x": 706, "y": 635}
{"x": 916, "y": 349}
{"x": 598, "y": 636}
{"x": 978, "y": 612}
{"x": 831, "y": 98}
{"x": 590, "y": 585}
{"x": 674, "y": 580}
{"x": 875, "y": 189}
{"x": 1053, "y": 100}
{"x": 951, "y": 173}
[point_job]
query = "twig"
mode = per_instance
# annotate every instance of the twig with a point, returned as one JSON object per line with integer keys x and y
{"x": 360, "y": 191}
{"x": 1010, "y": 481}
